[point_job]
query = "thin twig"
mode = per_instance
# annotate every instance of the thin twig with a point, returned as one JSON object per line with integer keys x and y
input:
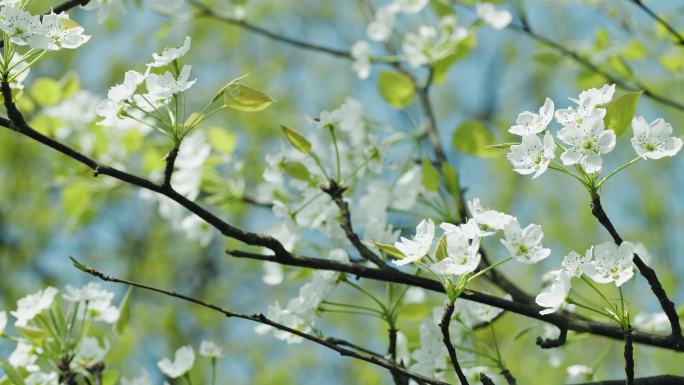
{"x": 170, "y": 164}
{"x": 654, "y": 380}
{"x": 262, "y": 319}
{"x": 335, "y": 192}
{"x": 647, "y": 272}
{"x": 527, "y": 310}
{"x": 446, "y": 339}
{"x": 670, "y": 29}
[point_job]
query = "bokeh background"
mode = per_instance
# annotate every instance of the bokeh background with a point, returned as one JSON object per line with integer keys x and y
{"x": 52, "y": 208}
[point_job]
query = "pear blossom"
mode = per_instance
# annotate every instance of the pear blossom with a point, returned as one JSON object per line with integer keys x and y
{"x": 652, "y": 323}
{"x": 90, "y": 353}
{"x": 496, "y": 18}
{"x": 183, "y": 360}
{"x": 524, "y": 244}
{"x": 612, "y": 263}
{"x": 20, "y": 67}
{"x": 579, "y": 373}
{"x": 380, "y": 29}
{"x": 429, "y": 45}
{"x": 587, "y": 143}
{"x": 430, "y": 359}
{"x": 417, "y": 247}
{"x": 532, "y": 155}
{"x": 594, "y": 98}
{"x": 33, "y": 304}
{"x": 529, "y": 123}
{"x": 20, "y": 25}
{"x": 168, "y": 55}
{"x": 40, "y": 378}
{"x": 273, "y": 273}
{"x": 164, "y": 86}
{"x": 489, "y": 220}
{"x": 472, "y": 314}
{"x": 25, "y": 356}
{"x": 653, "y": 141}
{"x": 360, "y": 52}
{"x": 210, "y": 349}
{"x": 574, "y": 264}
{"x": 555, "y": 293}
{"x": 462, "y": 254}
{"x": 111, "y": 108}
{"x": 58, "y": 31}
{"x": 98, "y": 301}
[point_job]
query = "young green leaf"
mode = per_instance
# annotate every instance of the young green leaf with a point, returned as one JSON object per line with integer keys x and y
{"x": 296, "y": 170}
{"x": 297, "y": 140}
{"x": 11, "y": 372}
{"x": 396, "y": 88}
{"x": 46, "y": 91}
{"x": 389, "y": 249}
{"x": 451, "y": 179}
{"x": 222, "y": 140}
{"x": 619, "y": 112}
{"x": 472, "y": 137}
{"x": 430, "y": 176}
{"x": 441, "y": 251}
{"x": 124, "y": 312}
{"x": 244, "y": 98}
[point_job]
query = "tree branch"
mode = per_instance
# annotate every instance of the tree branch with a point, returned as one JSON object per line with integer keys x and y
{"x": 17, "y": 123}
{"x": 446, "y": 339}
{"x": 170, "y": 164}
{"x": 335, "y": 192}
{"x": 206, "y": 11}
{"x": 527, "y": 310}
{"x": 629, "y": 356}
{"x": 262, "y": 319}
{"x": 647, "y": 272}
{"x": 675, "y": 34}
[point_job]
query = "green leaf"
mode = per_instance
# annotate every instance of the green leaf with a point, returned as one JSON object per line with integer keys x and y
{"x": 297, "y": 140}
{"x": 396, "y": 88}
{"x": 46, "y": 91}
{"x": 194, "y": 119}
{"x": 620, "y": 111}
{"x": 11, "y": 372}
{"x": 522, "y": 332}
{"x": 389, "y": 249}
{"x": 441, "y": 251}
{"x": 110, "y": 377}
{"x": 296, "y": 170}
{"x": 635, "y": 51}
{"x": 430, "y": 176}
{"x": 451, "y": 179}
{"x": 222, "y": 140}
{"x": 441, "y": 67}
{"x": 124, "y": 312}
{"x": 70, "y": 85}
{"x": 472, "y": 137}
{"x": 244, "y": 98}
{"x": 76, "y": 198}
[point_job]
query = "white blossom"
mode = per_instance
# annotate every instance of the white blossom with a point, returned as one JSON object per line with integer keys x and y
{"x": 32, "y": 305}
{"x": 210, "y": 349}
{"x": 653, "y": 141}
{"x": 496, "y": 18}
{"x": 594, "y": 98}
{"x": 462, "y": 254}
{"x": 574, "y": 264}
{"x": 579, "y": 373}
{"x": 360, "y": 52}
{"x": 587, "y": 143}
{"x": 104, "y": 8}
{"x": 3, "y": 321}
{"x": 25, "y": 356}
{"x": 612, "y": 263}
{"x": 168, "y": 55}
{"x": 20, "y": 25}
{"x": 553, "y": 296}
{"x": 97, "y": 301}
{"x": 161, "y": 88}
{"x": 380, "y": 29}
{"x": 489, "y": 220}
{"x": 40, "y": 378}
{"x": 90, "y": 352}
{"x": 532, "y": 155}
{"x": 183, "y": 360}
{"x": 652, "y": 323}
{"x": 525, "y": 244}
{"x": 273, "y": 273}
{"x": 429, "y": 44}
{"x": 58, "y": 31}
{"x": 529, "y": 123}
{"x": 417, "y": 247}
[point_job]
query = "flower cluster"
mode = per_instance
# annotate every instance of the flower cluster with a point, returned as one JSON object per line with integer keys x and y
{"x": 457, "y": 251}
{"x": 603, "y": 263}
{"x": 584, "y": 136}
{"x": 300, "y": 312}
{"x": 145, "y": 97}
{"x": 53, "y": 336}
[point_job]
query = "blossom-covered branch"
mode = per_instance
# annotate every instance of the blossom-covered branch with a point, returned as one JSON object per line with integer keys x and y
{"x": 262, "y": 319}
